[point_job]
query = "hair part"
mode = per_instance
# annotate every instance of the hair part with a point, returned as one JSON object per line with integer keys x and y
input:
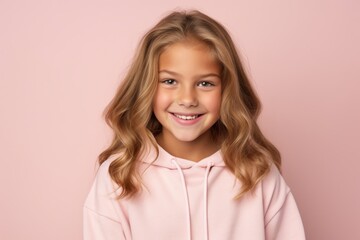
{"x": 246, "y": 152}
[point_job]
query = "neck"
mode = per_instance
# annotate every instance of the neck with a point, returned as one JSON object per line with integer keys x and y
{"x": 193, "y": 150}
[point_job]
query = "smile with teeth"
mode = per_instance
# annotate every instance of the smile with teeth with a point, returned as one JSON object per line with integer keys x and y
{"x": 189, "y": 117}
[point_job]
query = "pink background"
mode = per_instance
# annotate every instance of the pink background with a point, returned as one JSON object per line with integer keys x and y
{"x": 60, "y": 62}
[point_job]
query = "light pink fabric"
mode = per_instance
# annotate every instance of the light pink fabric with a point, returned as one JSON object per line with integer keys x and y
{"x": 186, "y": 200}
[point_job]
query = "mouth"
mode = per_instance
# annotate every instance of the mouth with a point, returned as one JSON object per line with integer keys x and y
{"x": 186, "y": 117}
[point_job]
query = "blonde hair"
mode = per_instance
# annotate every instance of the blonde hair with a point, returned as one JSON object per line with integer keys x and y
{"x": 246, "y": 152}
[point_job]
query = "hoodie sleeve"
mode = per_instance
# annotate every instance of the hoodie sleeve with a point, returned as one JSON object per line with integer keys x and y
{"x": 103, "y": 217}
{"x": 282, "y": 217}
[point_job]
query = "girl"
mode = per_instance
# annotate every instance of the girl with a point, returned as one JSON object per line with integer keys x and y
{"x": 188, "y": 160}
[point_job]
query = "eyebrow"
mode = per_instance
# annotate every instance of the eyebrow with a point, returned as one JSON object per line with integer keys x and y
{"x": 201, "y": 75}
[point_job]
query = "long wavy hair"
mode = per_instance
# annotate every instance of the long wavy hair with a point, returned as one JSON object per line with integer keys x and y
{"x": 246, "y": 152}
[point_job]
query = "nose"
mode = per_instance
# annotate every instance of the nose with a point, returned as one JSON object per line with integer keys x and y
{"x": 187, "y": 97}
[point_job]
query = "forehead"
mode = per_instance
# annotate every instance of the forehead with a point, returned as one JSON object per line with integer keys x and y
{"x": 189, "y": 56}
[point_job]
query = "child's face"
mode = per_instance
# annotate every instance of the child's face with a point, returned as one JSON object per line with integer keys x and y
{"x": 188, "y": 98}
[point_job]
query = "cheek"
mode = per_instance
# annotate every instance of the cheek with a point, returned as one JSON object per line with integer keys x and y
{"x": 161, "y": 100}
{"x": 213, "y": 102}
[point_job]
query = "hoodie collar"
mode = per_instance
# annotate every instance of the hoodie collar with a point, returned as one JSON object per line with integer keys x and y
{"x": 165, "y": 160}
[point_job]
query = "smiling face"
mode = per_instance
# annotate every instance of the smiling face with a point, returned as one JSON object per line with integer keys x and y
{"x": 188, "y": 97}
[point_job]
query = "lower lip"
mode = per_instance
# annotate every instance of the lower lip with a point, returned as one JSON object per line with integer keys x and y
{"x": 186, "y": 122}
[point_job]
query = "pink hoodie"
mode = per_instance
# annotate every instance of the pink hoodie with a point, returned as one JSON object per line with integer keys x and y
{"x": 187, "y": 200}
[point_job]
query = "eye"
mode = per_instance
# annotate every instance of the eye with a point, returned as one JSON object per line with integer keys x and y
{"x": 205, "y": 84}
{"x": 169, "y": 81}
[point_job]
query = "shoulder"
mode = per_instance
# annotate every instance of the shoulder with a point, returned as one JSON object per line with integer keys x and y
{"x": 273, "y": 180}
{"x": 102, "y": 209}
{"x": 104, "y": 191}
{"x": 103, "y": 170}
{"x": 275, "y": 191}
{"x": 102, "y": 199}
{"x": 103, "y": 181}
{"x": 281, "y": 214}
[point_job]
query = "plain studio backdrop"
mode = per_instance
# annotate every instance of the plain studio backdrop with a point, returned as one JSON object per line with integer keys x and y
{"x": 61, "y": 62}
